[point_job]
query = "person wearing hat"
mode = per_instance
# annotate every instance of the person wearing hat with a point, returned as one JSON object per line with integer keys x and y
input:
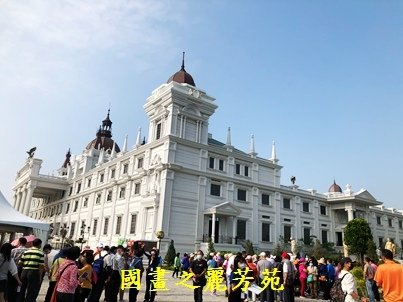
{"x": 303, "y": 275}
{"x": 288, "y": 278}
{"x": 263, "y": 267}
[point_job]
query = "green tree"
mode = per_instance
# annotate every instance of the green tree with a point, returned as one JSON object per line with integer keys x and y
{"x": 248, "y": 246}
{"x": 210, "y": 248}
{"x": 371, "y": 252}
{"x": 357, "y": 236}
{"x": 171, "y": 253}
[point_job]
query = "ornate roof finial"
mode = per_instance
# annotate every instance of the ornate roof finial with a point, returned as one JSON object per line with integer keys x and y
{"x": 124, "y": 149}
{"x": 252, "y": 146}
{"x": 183, "y": 61}
{"x": 113, "y": 152}
{"x": 228, "y": 143}
{"x": 67, "y": 160}
{"x": 273, "y": 153}
{"x": 138, "y": 140}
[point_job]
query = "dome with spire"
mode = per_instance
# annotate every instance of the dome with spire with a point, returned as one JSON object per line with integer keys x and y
{"x": 103, "y": 139}
{"x": 182, "y": 76}
{"x": 335, "y": 188}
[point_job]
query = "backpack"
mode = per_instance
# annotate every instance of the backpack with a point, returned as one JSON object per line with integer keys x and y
{"x": 98, "y": 267}
{"x": 336, "y": 292}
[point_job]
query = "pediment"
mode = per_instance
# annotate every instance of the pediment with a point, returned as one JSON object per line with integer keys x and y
{"x": 366, "y": 196}
{"x": 226, "y": 208}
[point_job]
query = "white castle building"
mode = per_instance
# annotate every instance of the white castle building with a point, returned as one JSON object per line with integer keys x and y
{"x": 190, "y": 186}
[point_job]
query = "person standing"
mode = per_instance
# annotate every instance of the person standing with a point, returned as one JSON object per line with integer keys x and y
{"x": 348, "y": 283}
{"x": 312, "y": 279}
{"x": 7, "y": 265}
{"x": 369, "y": 274}
{"x": 288, "y": 278}
{"x": 303, "y": 275}
{"x": 12, "y": 284}
{"x": 118, "y": 264}
{"x": 67, "y": 273}
{"x": 177, "y": 265}
{"x": 389, "y": 276}
{"x": 33, "y": 262}
{"x": 84, "y": 277}
{"x": 53, "y": 274}
{"x": 185, "y": 263}
{"x": 264, "y": 266}
{"x": 198, "y": 268}
{"x": 136, "y": 264}
{"x": 153, "y": 264}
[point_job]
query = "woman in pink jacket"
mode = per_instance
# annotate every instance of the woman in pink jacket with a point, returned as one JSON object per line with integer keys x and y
{"x": 303, "y": 274}
{"x": 67, "y": 277}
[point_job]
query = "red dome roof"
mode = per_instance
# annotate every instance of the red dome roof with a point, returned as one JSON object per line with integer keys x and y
{"x": 182, "y": 76}
{"x": 335, "y": 188}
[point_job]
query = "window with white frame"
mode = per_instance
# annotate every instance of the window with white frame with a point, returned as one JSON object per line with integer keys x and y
{"x": 215, "y": 189}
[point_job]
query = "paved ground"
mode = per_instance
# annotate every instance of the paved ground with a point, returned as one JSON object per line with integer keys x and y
{"x": 174, "y": 294}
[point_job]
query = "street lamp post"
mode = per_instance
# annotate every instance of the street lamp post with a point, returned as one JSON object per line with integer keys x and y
{"x": 160, "y": 236}
{"x": 63, "y": 233}
{"x": 81, "y": 238}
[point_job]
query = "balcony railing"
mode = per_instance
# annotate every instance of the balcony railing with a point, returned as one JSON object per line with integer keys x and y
{"x": 224, "y": 239}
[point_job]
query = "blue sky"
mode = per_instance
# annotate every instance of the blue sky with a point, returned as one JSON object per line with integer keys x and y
{"x": 321, "y": 78}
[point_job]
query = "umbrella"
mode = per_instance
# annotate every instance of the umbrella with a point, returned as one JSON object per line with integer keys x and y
{"x": 29, "y": 238}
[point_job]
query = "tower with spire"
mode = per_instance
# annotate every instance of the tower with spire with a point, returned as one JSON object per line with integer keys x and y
{"x": 180, "y": 109}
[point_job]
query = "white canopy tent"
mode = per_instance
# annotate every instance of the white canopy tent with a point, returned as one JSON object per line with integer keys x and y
{"x": 12, "y": 221}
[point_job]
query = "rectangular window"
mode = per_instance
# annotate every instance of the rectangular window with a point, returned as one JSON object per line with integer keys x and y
{"x": 67, "y": 208}
{"x": 380, "y": 241}
{"x": 286, "y": 203}
{"x": 401, "y": 226}
{"x": 98, "y": 199}
{"x": 221, "y": 165}
{"x": 106, "y": 225}
{"x": 122, "y": 192}
{"x": 266, "y": 232}
{"x": 211, "y": 163}
{"x": 287, "y": 233}
{"x": 85, "y": 202}
{"x": 78, "y": 188}
{"x": 305, "y": 206}
{"x": 339, "y": 239}
{"x": 241, "y": 229}
{"x": 101, "y": 177}
{"x": 125, "y": 168}
{"x": 323, "y": 210}
{"x": 390, "y": 222}
{"x": 109, "y": 196}
{"x": 113, "y": 171}
{"x": 118, "y": 224}
{"x": 72, "y": 229}
{"x": 324, "y": 236}
{"x": 246, "y": 171}
{"x": 378, "y": 220}
{"x": 94, "y": 228}
{"x": 241, "y": 195}
{"x": 158, "y": 131}
{"x": 238, "y": 169}
{"x": 140, "y": 163}
{"x": 215, "y": 190}
{"x": 266, "y": 199}
{"x": 75, "y": 206}
{"x": 137, "y": 187}
{"x": 89, "y": 183}
{"x": 133, "y": 222}
{"x": 307, "y": 236}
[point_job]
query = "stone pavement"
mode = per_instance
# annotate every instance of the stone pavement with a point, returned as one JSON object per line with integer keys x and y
{"x": 174, "y": 294}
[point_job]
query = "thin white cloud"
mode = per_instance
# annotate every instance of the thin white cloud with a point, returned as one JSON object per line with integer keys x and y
{"x": 42, "y": 41}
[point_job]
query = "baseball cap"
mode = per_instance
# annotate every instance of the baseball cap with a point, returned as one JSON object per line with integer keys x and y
{"x": 100, "y": 245}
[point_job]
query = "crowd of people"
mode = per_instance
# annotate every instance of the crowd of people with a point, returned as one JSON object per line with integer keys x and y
{"x": 77, "y": 275}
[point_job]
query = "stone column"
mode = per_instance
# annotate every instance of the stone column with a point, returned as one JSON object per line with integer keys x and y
{"x": 213, "y": 227}
{"x": 234, "y": 222}
{"x": 28, "y": 199}
{"x": 350, "y": 214}
{"x": 23, "y": 200}
{"x": 17, "y": 204}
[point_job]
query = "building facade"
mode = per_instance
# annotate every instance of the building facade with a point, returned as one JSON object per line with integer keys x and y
{"x": 189, "y": 185}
